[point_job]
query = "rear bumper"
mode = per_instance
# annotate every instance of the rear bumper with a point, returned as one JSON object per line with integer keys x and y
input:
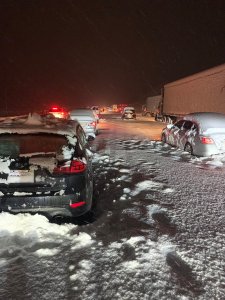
{"x": 129, "y": 118}
{"x": 200, "y": 149}
{"x": 89, "y": 130}
{"x": 47, "y": 205}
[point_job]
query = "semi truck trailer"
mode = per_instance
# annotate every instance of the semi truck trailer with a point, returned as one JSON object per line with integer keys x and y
{"x": 151, "y": 107}
{"x": 200, "y": 92}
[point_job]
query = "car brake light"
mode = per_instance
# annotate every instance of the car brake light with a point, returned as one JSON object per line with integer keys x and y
{"x": 76, "y": 166}
{"x": 58, "y": 112}
{"x": 206, "y": 140}
{"x": 55, "y": 108}
{"x": 77, "y": 204}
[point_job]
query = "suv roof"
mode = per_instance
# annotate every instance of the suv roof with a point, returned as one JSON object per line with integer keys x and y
{"x": 34, "y": 123}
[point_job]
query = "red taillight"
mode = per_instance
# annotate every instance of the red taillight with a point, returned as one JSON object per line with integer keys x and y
{"x": 206, "y": 140}
{"x": 93, "y": 124}
{"x": 77, "y": 204}
{"x": 58, "y": 112}
{"x": 55, "y": 108}
{"x": 76, "y": 166}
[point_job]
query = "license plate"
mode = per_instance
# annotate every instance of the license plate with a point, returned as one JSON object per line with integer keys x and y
{"x": 21, "y": 176}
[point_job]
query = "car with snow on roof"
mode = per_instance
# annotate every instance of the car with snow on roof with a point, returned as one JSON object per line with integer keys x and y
{"x": 45, "y": 167}
{"x": 58, "y": 112}
{"x": 88, "y": 120}
{"x": 128, "y": 113}
{"x": 200, "y": 134}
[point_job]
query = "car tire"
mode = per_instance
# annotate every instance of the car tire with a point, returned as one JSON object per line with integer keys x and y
{"x": 163, "y": 138}
{"x": 188, "y": 148}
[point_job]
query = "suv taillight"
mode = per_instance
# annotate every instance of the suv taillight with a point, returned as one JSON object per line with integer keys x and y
{"x": 76, "y": 166}
{"x": 206, "y": 140}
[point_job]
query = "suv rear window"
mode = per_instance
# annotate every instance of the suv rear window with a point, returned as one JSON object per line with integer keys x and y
{"x": 15, "y": 144}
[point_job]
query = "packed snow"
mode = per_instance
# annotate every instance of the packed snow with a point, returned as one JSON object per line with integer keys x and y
{"x": 159, "y": 232}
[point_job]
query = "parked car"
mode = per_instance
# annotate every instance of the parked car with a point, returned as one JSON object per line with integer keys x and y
{"x": 58, "y": 112}
{"x": 45, "y": 167}
{"x": 87, "y": 118}
{"x": 200, "y": 134}
{"x": 128, "y": 113}
{"x": 97, "y": 116}
{"x": 96, "y": 109}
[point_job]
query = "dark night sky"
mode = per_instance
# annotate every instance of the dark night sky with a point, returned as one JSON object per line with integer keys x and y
{"x": 84, "y": 52}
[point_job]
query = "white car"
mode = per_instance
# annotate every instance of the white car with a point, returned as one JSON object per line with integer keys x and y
{"x": 88, "y": 120}
{"x": 128, "y": 113}
{"x": 201, "y": 134}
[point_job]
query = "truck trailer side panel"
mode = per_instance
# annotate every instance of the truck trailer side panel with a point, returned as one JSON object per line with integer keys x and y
{"x": 201, "y": 92}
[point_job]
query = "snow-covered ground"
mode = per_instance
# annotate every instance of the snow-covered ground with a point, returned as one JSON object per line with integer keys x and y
{"x": 158, "y": 231}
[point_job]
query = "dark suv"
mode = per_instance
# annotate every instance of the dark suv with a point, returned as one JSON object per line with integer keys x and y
{"x": 45, "y": 167}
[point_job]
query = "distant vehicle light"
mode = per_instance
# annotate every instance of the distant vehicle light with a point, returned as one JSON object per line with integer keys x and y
{"x": 58, "y": 112}
{"x": 93, "y": 124}
{"x": 55, "y": 108}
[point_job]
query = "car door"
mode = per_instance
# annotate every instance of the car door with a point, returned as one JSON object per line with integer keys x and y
{"x": 85, "y": 150}
{"x": 174, "y": 134}
{"x": 185, "y": 133}
{"x": 191, "y": 130}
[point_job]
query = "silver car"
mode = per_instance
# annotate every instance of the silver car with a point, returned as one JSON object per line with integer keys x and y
{"x": 200, "y": 134}
{"x": 87, "y": 119}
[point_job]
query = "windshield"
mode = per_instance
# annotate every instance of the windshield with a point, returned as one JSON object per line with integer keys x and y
{"x": 14, "y": 145}
{"x": 129, "y": 111}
